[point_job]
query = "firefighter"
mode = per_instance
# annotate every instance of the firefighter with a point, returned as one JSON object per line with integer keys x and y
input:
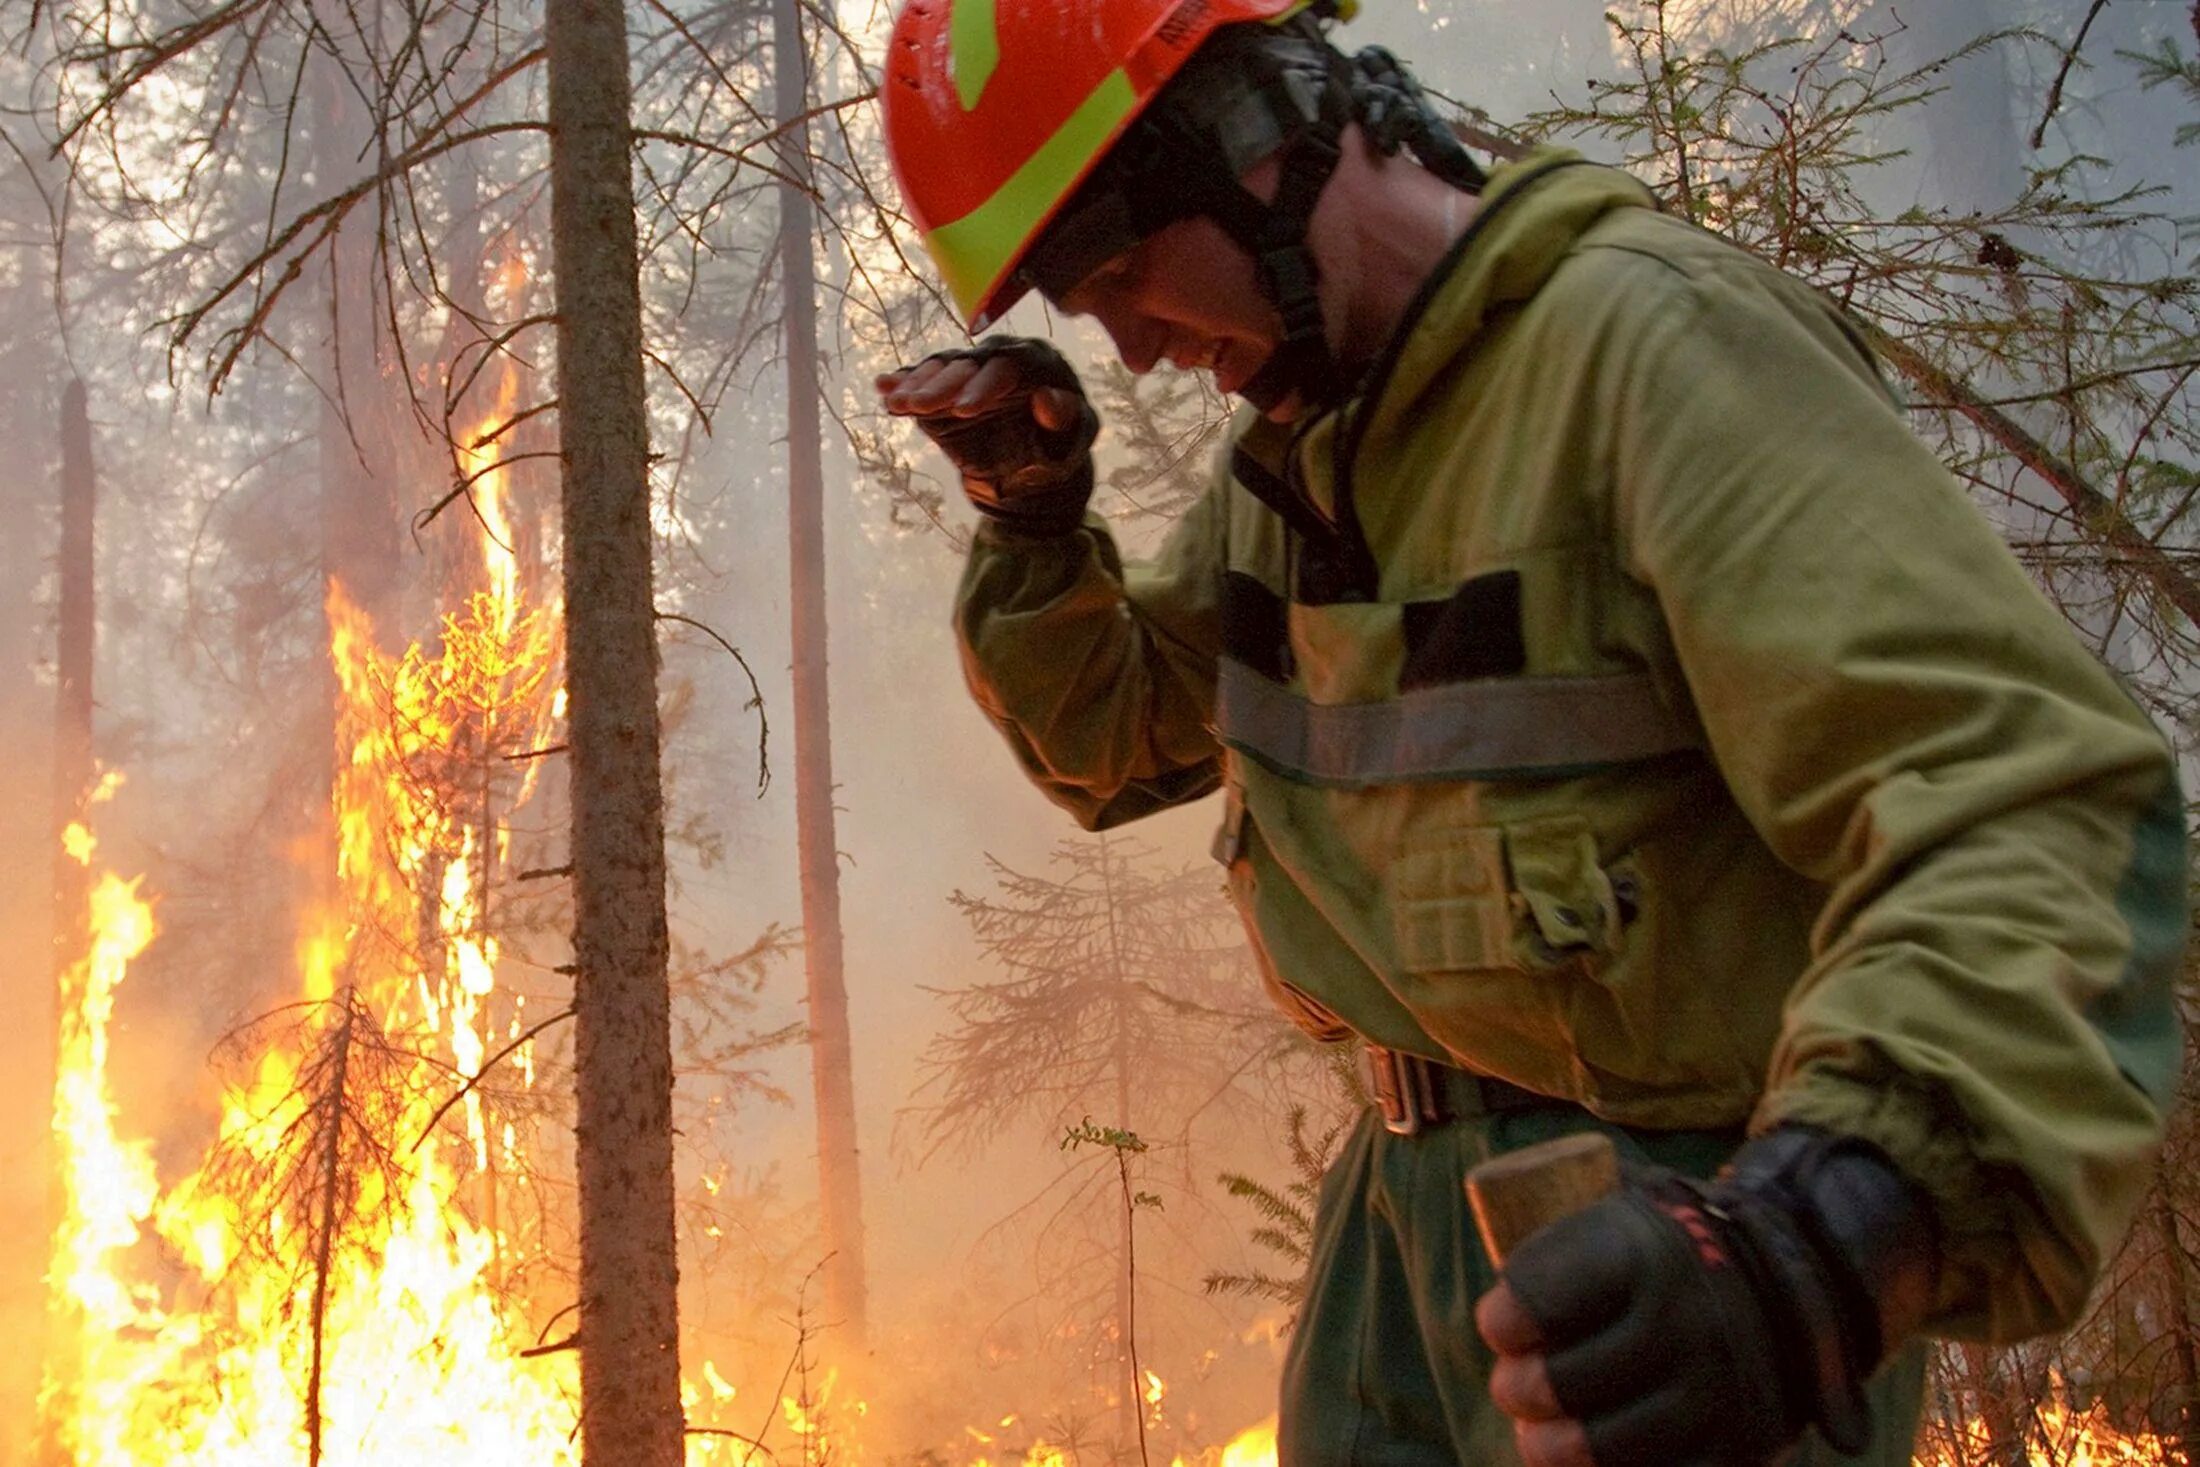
{"x": 1622, "y": 723}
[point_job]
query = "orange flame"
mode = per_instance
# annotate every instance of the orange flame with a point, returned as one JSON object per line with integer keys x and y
{"x": 423, "y": 1357}
{"x": 1253, "y": 1447}
{"x": 2062, "y": 1436}
{"x": 109, "y": 1181}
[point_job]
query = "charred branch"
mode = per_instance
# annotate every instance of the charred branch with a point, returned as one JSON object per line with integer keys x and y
{"x": 474, "y": 1080}
{"x": 2101, "y": 517}
{"x": 2062, "y": 73}
{"x": 756, "y": 697}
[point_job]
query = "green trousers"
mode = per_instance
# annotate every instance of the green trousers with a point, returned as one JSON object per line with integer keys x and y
{"x": 1386, "y": 1369}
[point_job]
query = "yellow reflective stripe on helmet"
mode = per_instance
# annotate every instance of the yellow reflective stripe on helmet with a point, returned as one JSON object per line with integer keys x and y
{"x": 973, "y": 49}
{"x": 975, "y": 251}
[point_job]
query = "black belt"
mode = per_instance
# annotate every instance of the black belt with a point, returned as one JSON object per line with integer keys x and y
{"x": 1416, "y": 1094}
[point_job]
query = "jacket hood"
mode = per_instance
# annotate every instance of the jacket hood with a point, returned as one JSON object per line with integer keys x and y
{"x": 1533, "y": 213}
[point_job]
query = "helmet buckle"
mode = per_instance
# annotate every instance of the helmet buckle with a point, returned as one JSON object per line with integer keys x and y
{"x": 1288, "y": 273}
{"x": 1302, "y": 92}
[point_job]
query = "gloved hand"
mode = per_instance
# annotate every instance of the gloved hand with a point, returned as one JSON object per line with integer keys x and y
{"x": 1688, "y": 1324}
{"x": 1012, "y": 417}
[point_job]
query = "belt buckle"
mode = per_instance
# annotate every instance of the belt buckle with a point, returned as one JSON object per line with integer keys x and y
{"x": 1402, "y": 1089}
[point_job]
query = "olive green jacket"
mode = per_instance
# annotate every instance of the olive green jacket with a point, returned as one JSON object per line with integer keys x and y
{"x": 1615, "y": 697}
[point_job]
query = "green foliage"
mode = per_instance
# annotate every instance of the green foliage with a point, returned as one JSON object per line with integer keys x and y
{"x": 2166, "y": 66}
{"x": 1089, "y": 1133}
{"x": 1286, "y": 1229}
{"x": 1120, "y": 980}
{"x": 2049, "y": 342}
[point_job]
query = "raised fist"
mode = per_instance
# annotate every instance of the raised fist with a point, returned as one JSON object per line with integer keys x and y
{"x": 1010, "y": 414}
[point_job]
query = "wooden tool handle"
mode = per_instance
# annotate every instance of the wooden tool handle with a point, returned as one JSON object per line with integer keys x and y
{"x": 1515, "y": 1194}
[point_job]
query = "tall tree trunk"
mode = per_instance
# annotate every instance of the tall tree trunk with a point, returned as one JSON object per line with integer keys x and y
{"x": 72, "y": 785}
{"x": 26, "y": 990}
{"x": 72, "y": 747}
{"x": 358, "y": 429}
{"x": 629, "y": 1266}
{"x": 831, "y": 1070}
{"x": 357, "y": 501}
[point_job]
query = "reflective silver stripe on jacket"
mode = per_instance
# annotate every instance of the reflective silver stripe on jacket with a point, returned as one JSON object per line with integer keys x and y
{"x": 1482, "y": 729}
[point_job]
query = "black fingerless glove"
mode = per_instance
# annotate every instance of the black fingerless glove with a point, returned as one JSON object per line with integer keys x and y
{"x": 1012, "y": 469}
{"x": 1687, "y": 1322}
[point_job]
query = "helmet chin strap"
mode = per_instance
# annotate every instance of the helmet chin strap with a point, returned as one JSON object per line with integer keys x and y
{"x": 1293, "y": 366}
{"x": 1274, "y": 234}
{"x": 1312, "y": 110}
{"x": 1289, "y": 277}
{"x": 1254, "y": 93}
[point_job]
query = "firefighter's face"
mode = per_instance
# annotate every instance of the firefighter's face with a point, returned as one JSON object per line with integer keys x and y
{"x": 1187, "y": 295}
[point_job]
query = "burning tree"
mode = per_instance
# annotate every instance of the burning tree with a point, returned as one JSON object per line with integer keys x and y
{"x": 396, "y": 1096}
{"x": 319, "y": 1172}
{"x": 73, "y": 777}
{"x": 347, "y": 1258}
{"x": 377, "y": 1234}
{"x": 337, "y": 1249}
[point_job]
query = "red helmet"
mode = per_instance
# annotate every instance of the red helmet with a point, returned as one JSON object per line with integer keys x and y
{"x": 997, "y": 109}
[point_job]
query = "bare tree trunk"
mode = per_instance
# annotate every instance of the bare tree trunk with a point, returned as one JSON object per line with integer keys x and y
{"x": 2003, "y": 1438}
{"x": 1130, "y": 1416}
{"x": 629, "y": 1264}
{"x": 72, "y": 785}
{"x": 357, "y": 502}
{"x": 2184, "y": 1330}
{"x": 26, "y": 989}
{"x": 359, "y": 541}
{"x": 330, "y": 1105}
{"x": 72, "y": 748}
{"x": 831, "y": 1066}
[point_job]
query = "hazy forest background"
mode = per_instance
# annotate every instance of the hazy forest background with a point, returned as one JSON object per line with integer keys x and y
{"x": 985, "y": 1146}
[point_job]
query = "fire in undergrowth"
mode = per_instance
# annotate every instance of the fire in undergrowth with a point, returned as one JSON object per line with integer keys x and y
{"x": 2057, "y": 1434}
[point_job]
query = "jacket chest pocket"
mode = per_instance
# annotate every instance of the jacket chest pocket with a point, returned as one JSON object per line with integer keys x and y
{"x": 1526, "y": 896}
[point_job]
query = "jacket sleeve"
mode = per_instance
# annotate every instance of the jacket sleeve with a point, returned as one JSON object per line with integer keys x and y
{"x": 1100, "y": 675}
{"x": 1907, "y": 720}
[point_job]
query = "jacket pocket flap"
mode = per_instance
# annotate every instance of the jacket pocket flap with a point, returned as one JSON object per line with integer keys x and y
{"x": 1567, "y": 894}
